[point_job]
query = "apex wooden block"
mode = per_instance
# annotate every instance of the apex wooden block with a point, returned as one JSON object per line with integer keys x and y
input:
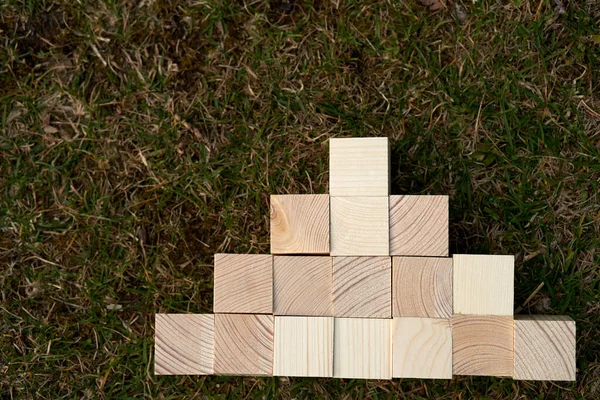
{"x": 422, "y": 287}
{"x": 419, "y": 226}
{"x": 483, "y": 345}
{"x": 303, "y": 286}
{"x": 243, "y": 283}
{"x": 362, "y": 348}
{"x": 243, "y": 344}
{"x": 360, "y": 226}
{"x": 300, "y": 224}
{"x": 303, "y": 346}
{"x": 483, "y": 284}
{"x": 362, "y": 287}
{"x": 183, "y": 344}
{"x": 422, "y": 348}
{"x": 544, "y": 348}
{"x": 359, "y": 167}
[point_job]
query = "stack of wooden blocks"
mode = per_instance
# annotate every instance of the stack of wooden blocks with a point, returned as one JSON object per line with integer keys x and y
{"x": 359, "y": 285}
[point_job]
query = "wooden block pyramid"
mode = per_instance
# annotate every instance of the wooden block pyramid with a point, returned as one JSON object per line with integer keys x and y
{"x": 359, "y": 284}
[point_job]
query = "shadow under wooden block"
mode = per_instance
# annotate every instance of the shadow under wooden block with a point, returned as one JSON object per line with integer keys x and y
{"x": 544, "y": 348}
{"x": 422, "y": 348}
{"x": 483, "y": 284}
{"x": 243, "y": 283}
{"x": 303, "y": 346}
{"x": 362, "y": 287}
{"x": 483, "y": 345}
{"x": 300, "y": 224}
{"x": 243, "y": 344}
{"x": 422, "y": 287}
{"x": 183, "y": 344}
{"x": 303, "y": 286}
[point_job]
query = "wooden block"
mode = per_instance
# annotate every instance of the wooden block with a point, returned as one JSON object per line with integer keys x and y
{"x": 243, "y": 283}
{"x": 544, "y": 348}
{"x": 303, "y": 346}
{"x": 422, "y": 287}
{"x": 360, "y": 226}
{"x": 362, "y": 287}
{"x": 183, "y": 344}
{"x": 362, "y": 348}
{"x": 359, "y": 167}
{"x": 243, "y": 344}
{"x": 483, "y": 345}
{"x": 422, "y": 348}
{"x": 419, "y": 226}
{"x": 300, "y": 224}
{"x": 483, "y": 284}
{"x": 303, "y": 286}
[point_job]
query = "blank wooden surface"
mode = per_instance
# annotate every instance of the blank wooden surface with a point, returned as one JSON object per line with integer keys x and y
{"x": 422, "y": 348}
{"x": 243, "y": 344}
{"x": 483, "y": 345}
{"x": 422, "y": 287}
{"x": 362, "y": 287}
{"x": 360, "y": 226}
{"x": 303, "y": 286}
{"x": 303, "y": 346}
{"x": 483, "y": 284}
{"x": 419, "y": 226}
{"x": 544, "y": 348}
{"x": 183, "y": 344}
{"x": 300, "y": 224}
{"x": 362, "y": 348}
{"x": 359, "y": 167}
{"x": 243, "y": 283}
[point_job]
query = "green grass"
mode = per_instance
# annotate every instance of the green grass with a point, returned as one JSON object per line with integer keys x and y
{"x": 140, "y": 138}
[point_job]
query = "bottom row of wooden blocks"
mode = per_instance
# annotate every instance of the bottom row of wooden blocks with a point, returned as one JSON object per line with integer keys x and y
{"x": 527, "y": 348}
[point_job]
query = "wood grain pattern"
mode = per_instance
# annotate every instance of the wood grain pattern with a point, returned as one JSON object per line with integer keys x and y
{"x": 422, "y": 287}
{"x": 422, "y": 348}
{"x": 419, "y": 226}
{"x": 303, "y": 346}
{"x": 544, "y": 348}
{"x": 300, "y": 224}
{"x": 183, "y": 344}
{"x": 303, "y": 286}
{"x": 362, "y": 287}
{"x": 483, "y": 284}
{"x": 243, "y": 344}
{"x": 483, "y": 345}
{"x": 243, "y": 283}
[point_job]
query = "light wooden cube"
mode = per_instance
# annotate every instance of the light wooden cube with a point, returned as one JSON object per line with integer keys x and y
{"x": 362, "y": 287}
{"x": 300, "y": 224}
{"x": 544, "y": 348}
{"x": 243, "y": 283}
{"x": 303, "y": 346}
{"x": 483, "y": 345}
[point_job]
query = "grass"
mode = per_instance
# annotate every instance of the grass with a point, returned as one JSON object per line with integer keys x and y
{"x": 140, "y": 138}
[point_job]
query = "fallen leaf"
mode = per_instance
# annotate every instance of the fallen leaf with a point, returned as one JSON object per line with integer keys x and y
{"x": 434, "y": 5}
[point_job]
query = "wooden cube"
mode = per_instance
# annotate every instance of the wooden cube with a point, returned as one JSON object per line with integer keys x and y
{"x": 362, "y": 287}
{"x": 544, "y": 348}
{"x": 183, "y": 344}
{"x": 419, "y": 226}
{"x": 483, "y": 345}
{"x": 303, "y": 346}
{"x": 359, "y": 167}
{"x": 483, "y": 284}
{"x": 303, "y": 286}
{"x": 422, "y": 287}
{"x": 243, "y": 344}
{"x": 422, "y": 348}
{"x": 300, "y": 224}
{"x": 243, "y": 283}
{"x": 360, "y": 226}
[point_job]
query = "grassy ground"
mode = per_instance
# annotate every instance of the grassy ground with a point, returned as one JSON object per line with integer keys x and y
{"x": 138, "y": 138}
